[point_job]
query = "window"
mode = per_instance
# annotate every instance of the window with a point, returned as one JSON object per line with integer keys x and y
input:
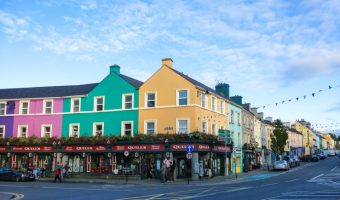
{"x": 203, "y": 100}
{"x": 222, "y": 106}
{"x": 127, "y": 101}
{"x": 239, "y": 139}
{"x": 204, "y": 127}
{"x": 127, "y": 128}
{"x": 238, "y": 119}
{"x": 74, "y": 130}
{"x": 2, "y": 131}
{"x": 150, "y": 100}
{"x": 231, "y": 116}
{"x": 99, "y": 103}
{"x": 182, "y": 126}
{"x": 46, "y": 130}
{"x": 213, "y": 103}
{"x": 213, "y": 129}
{"x": 182, "y": 96}
{"x": 98, "y": 129}
{"x": 75, "y": 105}
{"x": 22, "y": 131}
{"x": 48, "y": 106}
{"x": 2, "y": 108}
{"x": 24, "y": 107}
{"x": 150, "y": 127}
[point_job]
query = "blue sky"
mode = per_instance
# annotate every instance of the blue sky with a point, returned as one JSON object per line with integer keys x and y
{"x": 268, "y": 51}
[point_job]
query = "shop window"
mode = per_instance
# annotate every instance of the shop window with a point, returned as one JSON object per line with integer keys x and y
{"x": 75, "y": 105}
{"x": 150, "y": 127}
{"x": 100, "y": 163}
{"x": 98, "y": 129}
{"x": 2, "y": 131}
{"x": 204, "y": 127}
{"x": 151, "y": 100}
{"x": 182, "y": 97}
{"x": 127, "y": 101}
{"x": 99, "y": 103}
{"x": 24, "y": 107}
{"x": 46, "y": 130}
{"x": 2, "y": 108}
{"x": 213, "y": 103}
{"x": 74, "y": 130}
{"x": 182, "y": 126}
{"x": 127, "y": 128}
{"x": 48, "y": 106}
{"x": 22, "y": 130}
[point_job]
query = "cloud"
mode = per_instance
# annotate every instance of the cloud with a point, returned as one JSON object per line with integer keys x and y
{"x": 89, "y": 5}
{"x": 334, "y": 108}
{"x": 13, "y": 25}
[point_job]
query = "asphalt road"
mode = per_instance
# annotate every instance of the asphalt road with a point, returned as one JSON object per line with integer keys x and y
{"x": 319, "y": 180}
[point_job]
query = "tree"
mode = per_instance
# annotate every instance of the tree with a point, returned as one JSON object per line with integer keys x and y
{"x": 279, "y": 138}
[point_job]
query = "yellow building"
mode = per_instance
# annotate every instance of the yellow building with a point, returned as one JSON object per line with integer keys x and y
{"x": 171, "y": 102}
{"x": 307, "y": 132}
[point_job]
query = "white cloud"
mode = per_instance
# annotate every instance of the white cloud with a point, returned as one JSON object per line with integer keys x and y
{"x": 13, "y": 25}
{"x": 89, "y": 5}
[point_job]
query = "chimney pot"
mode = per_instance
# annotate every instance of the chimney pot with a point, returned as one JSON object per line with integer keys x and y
{"x": 167, "y": 62}
{"x": 115, "y": 68}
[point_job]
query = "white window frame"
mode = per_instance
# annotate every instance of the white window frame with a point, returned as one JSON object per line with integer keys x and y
{"x": 146, "y": 126}
{"x": 42, "y": 131}
{"x": 95, "y": 103}
{"x": 232, "y": 113}
{"x": 70, "y": 131}
{"x": 206, "y": 127}
{"x": 222, "y": 110}
{"x": 214, "y": 129}
{"x": 188, "y": 125}
{"x": 5, "y": 107}
{"x": 44, "y": 106}
{"x": 123, "y": 127}
{"x": 177, "y": 96}
{"x": 19, "y": 130}
{"x": 203, "y": 100}
{"x": 28, "y": 107}
{"x": 123, "y": 101}
{"x": 94, "y": 126}
{"x": 213, "y": 103}
{"x": 147, "y": 100}
{"x": 72, "y": 105}
{"x": 4, "y": 129}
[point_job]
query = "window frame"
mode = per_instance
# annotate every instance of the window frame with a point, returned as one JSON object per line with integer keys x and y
{"x": 206, "y": 127}
{"x": 213, "y": 103}
{"x": 214, "y": 129}
{"x": 222, "y": 110}
{"x": 177, "y": 125}
{"x": 96, "y": 105}
{"x": 123, "y": 123}
{"x": 45, "y": 106}
{"x": 71, "y": 131}
{"x": 146, "y": 105}
{"x": 146, "y": 126}
{"x": 178, "y": 97}
{"x": 19, "y": 130}
{"x": 21, "y": 107}
{"x": 5, "y": 107}
{"x": 94, "y": 126}
{"x": 124, "y": 102}
{"x": 72, "y": 105}
{"x": 203, "y": 100}
{"x": 42, "y": 130}
{"x": 4, "y": 130}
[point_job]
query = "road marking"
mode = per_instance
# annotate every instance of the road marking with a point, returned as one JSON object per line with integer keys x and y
{"x": 311, "y": 180}
{"x": 334, "y": 168}
{"x": 292, "y": 180}
{"x": 21, "y": 186}
{"x": 15, "y": 196}
{"x": 268, "y": 185}
{"x": 87, "y": 189}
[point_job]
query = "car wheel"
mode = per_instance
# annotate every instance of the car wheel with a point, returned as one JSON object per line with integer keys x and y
{"x": 17, "y": 179}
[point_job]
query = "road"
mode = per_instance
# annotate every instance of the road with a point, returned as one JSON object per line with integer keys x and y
{"x": 319, "y": 180}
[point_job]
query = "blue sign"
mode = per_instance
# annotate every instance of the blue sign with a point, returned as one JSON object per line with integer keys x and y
{"x": 189, "y": 148}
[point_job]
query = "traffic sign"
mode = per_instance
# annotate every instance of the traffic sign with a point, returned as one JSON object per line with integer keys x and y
{"x": 189, "y": 156}
{"x": 126, "y": 153}
{"x": 189, "y": 148}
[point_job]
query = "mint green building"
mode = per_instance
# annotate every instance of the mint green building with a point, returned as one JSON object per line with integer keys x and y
{"x": 109, "y": 108}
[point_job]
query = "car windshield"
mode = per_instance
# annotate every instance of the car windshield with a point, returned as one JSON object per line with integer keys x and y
{"x": 279, "y": 162}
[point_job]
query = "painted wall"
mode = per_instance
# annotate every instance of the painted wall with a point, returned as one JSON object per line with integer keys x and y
{"x": 112, "y": 88}
{"x": 7, "y": 121}
{"x": 235, "y": 128}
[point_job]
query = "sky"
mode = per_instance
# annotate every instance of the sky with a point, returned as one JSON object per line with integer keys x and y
{"x": 267, "y": 51}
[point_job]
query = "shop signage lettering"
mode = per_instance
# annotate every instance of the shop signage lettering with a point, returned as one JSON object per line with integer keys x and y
{"x": 148, "y": 147}
{"x": 32, "y": 148}
{"x": 181, "y": 147}
{"x": 203, "y": 147}
{"x": 3, "y": 148}
{"x": 222, "y": 148}
{"x": 85, "y": 148}
{"x": 168, "y": 128}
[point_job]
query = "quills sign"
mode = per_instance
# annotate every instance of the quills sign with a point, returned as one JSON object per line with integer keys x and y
{"x": 32, "y": 149}
{"x": 222, "y": 148}
{"x": 148, "y": 147}
{"x": 84, "y": 148}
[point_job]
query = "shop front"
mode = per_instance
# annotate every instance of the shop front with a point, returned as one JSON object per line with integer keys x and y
{"x": 4, "y": 157}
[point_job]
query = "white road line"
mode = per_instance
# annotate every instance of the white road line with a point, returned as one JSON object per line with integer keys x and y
{"x": 21, "y": 186}
{"x": 311, "y": 180}
{"x": 292, "y": 180}
{"x": 87, "y": 189}
{"x": 15, "y": 196}
{"x": 334, "y": 168}
{"x": 268, "y": 184}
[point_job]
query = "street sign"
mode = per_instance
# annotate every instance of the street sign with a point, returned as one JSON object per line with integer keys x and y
{"x": 224, "y": 136}
{"x": 126, "y": 153}
{"x": 189, "y": 148}
{"x": 189, "y": 156}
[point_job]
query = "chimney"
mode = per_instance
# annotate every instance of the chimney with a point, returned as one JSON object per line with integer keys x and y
{"x": 167, "y": 62}
{"x": 260, "y": 115}
{"x": 237, "y": 99}
{"x": 115, "y": 68}
{"x": 222, "y": 89}
{"x": 246, "y": 106}
{"x": 254, "y": 111}
{"x": 269, "y": 119}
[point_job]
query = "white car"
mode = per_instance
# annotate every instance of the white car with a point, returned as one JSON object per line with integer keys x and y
{"x": 281, "y": 165}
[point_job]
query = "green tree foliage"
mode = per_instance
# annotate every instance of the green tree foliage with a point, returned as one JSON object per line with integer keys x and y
{"x": 279, "y": 138}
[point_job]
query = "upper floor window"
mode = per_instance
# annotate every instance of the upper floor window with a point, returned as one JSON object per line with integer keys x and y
{"x": 46, "y": 130}
{"x": 2, "y": 131}
{"x": 75, "y": 105}
{"x": 48, "y": 106}
{"x": 204, "y": 127}
{"x": 127, "y": 101}
{"x": 99, "y": 103}
{"x": 2, "y": 108}
{"x": 213, "y": 103}
{"x": 150, "y": 100}
{"x": 183, "y": 126}
{"x": 182, "y": 96}
{"x": 238, "y": 118}
{"x": 232, "y": 116}
{"x": 203, "y": 103}
{"x": 22, "y": 131}
{"x": 150, "y": 127}
{"x": 98, "y": 129}
{"x": 222, "y": 106}
{"x": 214, "y": 129}
{"x": 127, "y": 128}
{"x": 24, "y": 107}
{"x": 74, "y": 130}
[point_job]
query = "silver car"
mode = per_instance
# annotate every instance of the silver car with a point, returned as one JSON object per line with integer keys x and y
{"x": 281, "y": 165}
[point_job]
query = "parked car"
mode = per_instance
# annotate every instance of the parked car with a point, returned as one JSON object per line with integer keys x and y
{"x": 281, "y": 165}
{"x": 297, "y": 161}
{"x": 310, "y": 158}
{"x": 9, "y": 174}
{"x": 321, "y": 156}
{"x": 289, "y": 160}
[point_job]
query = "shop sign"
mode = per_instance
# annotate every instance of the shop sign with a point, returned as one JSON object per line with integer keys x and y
{"x": 148, "y": 147}
{"x": 84, "y": 148}
{"x": 2, "y": 148}
{"x": 32, "y": 149}
{"x": 222, "y": 148}
{"x": 126, "y": 153}
{"x": 181, "y": 147}
{"x": 203, "y": 147}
